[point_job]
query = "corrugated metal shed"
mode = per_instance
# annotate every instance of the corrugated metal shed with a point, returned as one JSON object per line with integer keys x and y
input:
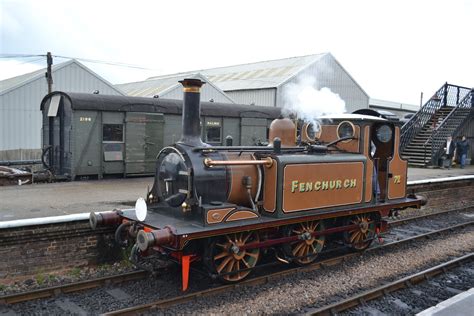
{"x": 168, "y": 87}
{"x": 20, "y": 98}
{"x": 395, "y": 107}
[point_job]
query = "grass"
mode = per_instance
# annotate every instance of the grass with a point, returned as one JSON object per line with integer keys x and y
{"x": 40, "y": 278}
{"x": 75, "y": 272}
{"x": 103, "y": 267}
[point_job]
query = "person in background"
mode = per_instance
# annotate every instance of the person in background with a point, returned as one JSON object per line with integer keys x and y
{"x": 449, "y": 147}
{"x": 461, "y": 149}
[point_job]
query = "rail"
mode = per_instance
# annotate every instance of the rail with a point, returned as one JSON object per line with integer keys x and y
{"x": 72, "y": 287}
{"x": 383, "y": 290}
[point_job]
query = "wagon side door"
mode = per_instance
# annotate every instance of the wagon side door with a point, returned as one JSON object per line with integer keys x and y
{"x": 143, "y": 141}
{"x": 252, "y": 131}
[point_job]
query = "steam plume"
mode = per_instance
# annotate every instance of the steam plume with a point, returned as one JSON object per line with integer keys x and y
{"x": 308, "y": 103}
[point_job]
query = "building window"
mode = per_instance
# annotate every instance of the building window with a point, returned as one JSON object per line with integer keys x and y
{"x": 112, "y": 133}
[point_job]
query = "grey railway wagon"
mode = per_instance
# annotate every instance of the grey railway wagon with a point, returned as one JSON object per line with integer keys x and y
{"x": 98, "y": 135}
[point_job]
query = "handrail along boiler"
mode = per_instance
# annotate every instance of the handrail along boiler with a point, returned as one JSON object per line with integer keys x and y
{"x": 227, "y": 206}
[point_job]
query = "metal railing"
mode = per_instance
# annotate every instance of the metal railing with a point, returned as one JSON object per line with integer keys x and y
{"x": 447, "y": 96}
{"x": 450, "y": 126}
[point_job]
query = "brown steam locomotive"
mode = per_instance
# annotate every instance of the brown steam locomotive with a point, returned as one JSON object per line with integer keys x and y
{"x": 225, "y": 206}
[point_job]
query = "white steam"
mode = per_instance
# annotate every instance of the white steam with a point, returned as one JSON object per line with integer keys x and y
{"x": 304, "y": 100}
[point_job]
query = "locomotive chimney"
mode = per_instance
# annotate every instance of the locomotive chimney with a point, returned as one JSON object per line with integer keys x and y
{"x": 191, "y": 112}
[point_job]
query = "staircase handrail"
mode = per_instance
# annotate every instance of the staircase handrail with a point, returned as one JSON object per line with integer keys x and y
{"x": 440, "y": 133}
{"x": 424, "y": 114}
{"x": 441, "y": 98}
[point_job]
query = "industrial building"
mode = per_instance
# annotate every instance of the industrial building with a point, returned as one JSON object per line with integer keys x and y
{"x": 20, "y": 99}
{"x": 397, "y": 108}
{"x": 264, "y": 83}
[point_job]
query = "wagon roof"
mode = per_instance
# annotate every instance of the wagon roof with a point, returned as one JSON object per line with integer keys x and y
{"x": 113, "y": 103}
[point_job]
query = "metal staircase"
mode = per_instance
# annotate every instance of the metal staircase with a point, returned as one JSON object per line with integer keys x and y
{"x": 423, "y": 137}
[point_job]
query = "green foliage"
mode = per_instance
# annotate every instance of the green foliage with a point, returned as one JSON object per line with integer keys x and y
{"x": 40, "y": 278}
{"x": 75, "y": 272}
{"x": 126, "y": 253}
{"x": 103, "y": 267}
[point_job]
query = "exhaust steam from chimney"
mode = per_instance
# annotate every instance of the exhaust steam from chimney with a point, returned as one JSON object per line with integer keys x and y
{"x": 304, "y": 100}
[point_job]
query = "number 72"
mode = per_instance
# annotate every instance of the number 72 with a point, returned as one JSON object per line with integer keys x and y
{"x": 397, "y": 179}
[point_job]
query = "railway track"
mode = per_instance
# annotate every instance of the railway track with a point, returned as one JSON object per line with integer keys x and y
{"x": 162, "y": 304}
{"x": 399, "y": 222}
{"x": 72, "y": 287}
{"x": 137, "y": 275}
{"x": 384, "y": 290}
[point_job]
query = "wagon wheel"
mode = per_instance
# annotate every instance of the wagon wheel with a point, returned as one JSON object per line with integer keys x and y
{"x": 224, "y": 256}
{"x": 305, "y": 249}
{"x": 361, "y": 237}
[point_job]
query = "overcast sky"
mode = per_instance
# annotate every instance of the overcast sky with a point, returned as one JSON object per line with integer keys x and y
{"x": 393, "y": 49}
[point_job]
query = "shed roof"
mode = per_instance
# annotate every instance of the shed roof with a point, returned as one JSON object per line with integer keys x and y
{"x": 9, "y": 84}
{"x": 160, "y": 86}
{"x": 258, "y": 75}
{"x": 393, "y": 105}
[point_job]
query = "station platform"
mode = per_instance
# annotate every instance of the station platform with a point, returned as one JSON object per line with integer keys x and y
{"x": 459, "y": 305}
{"x": 66, "y": 198}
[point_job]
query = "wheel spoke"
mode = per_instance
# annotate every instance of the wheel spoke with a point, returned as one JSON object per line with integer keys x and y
{"x": 297, "y": 248}
{"x": 303, "y": 251}
{"x": 223, "y": 264}
{"x": 319, "y": 241}
{"x": 353, "y": 236}
{"x": 253, "y": 255}
{"x": 247, "y": 237}
{"x": 297, "y": 232}
{"x": 230, "y": 266}
{"x": 221, "y": 255}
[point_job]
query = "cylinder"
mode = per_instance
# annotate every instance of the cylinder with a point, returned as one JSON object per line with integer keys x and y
{"x": 191, "y": 117}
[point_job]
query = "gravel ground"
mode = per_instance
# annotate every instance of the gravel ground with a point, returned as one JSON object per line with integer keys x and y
{"x": 421, "y": 296}
{"x": 425, "y": 225}
{"x": 428, "y": 209}
{"x": 100, "y": 300}
{"x": 44, "y": 280}
{"x": 296, "y": 293}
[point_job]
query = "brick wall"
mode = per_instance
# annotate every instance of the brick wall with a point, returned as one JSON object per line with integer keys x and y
{"x": 444, "y": 196}
{"x": 37, "y": 249}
